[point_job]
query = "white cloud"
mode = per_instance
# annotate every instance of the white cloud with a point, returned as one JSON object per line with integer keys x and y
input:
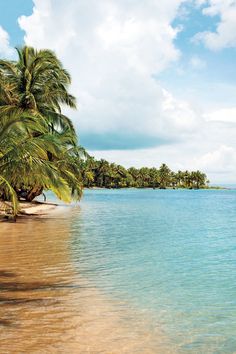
{"x": 113, "y": 49}
{"x": 5, "y": 49}
{"x": 227, "y": 115}
{"x": 225, "y": 34}
{"x": 197, "y": 63}
{"x": 217, "y": 161}
{"x": 222, "y": 160}
{"x": 212, "y": 149}
{"x": 200, "y": 2}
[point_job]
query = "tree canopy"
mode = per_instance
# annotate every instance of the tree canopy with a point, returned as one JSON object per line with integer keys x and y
{"x": 101, "y": 173}
{"x": 38, "y": 143}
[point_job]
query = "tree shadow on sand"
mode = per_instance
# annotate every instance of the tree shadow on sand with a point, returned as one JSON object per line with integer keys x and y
{"x": 9, "y": 284}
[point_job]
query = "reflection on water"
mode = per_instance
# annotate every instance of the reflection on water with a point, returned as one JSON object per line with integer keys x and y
{"x": 46, "y": 306}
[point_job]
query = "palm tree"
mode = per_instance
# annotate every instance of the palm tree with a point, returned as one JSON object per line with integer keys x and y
{"x": 38, "y": 142}
{"x": 110, "y": 175}
{"x": 37, "y": 82}
{"x": 24, "y": 162}
{"x": 199, "y": 179}
{"x": 164, "y": 173}
{"x": 134, "y": 173}
{"x": 102, "y": 173}
{"x": 179, "y": 177}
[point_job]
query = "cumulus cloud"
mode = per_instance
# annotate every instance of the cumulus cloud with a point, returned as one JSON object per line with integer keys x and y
{"x": 227, "y": 115}
{"x": 113, "y": 50}
{"x": 5, "y": 49}
{"x": 222, "y": 160}
{"x": 225, "y": 33}
{"x": 218, "y": 161}
{"x": 212, "y": 149}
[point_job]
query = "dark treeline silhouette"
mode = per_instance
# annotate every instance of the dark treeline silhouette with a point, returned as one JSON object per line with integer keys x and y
{"x": 102, "y": 174}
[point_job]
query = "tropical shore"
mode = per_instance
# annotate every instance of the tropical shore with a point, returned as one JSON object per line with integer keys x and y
{"x": 51, "y": 307}
{"x": 34, "y": 208}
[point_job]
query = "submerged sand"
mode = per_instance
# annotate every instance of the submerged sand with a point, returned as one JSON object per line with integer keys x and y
{"x": 47, "y": 306}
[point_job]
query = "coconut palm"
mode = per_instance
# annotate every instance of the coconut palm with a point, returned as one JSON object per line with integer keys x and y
{"x": 37, "y": 82}
{"x": 37, "y": 141}
{"x": 24, "y": 162}
{"x": 110, "y": 175}
{"x": 165, "y": 177}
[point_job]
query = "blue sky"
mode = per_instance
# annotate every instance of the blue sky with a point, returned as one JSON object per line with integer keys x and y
{"x": 155, "y": 80}
{"x": 10, "y": 10}
{"x": 219, "y": 65}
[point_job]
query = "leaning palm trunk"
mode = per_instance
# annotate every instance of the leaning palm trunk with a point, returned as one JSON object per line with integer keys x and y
{"x": 33, "y": 193}
{"x": 8, "y": 194}
{"x": 38, "y": 144}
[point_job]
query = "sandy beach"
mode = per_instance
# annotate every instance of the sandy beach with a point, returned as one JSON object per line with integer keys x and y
{"x": 47, "y": 306}
{"x": 29, "y": 208}
{"x": 36, "y": 208}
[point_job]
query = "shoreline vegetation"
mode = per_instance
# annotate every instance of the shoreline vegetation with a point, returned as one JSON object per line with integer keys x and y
{"x": 168, "y": 188}
{"x": 102, "y": 174}
{"x": 38, "y": 144}
{"x": 39, "y": 148}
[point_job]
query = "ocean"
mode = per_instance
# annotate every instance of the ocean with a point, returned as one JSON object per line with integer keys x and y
{"x": 164, "y": 261}
{"x": 171, "y": 253}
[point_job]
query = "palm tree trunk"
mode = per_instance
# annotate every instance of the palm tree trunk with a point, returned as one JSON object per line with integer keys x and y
{"x": 33, "y": 193}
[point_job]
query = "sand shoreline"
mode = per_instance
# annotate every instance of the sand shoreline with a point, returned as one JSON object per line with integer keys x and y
{"x": 47, "y": 305}
{"x": 34, "y": 208}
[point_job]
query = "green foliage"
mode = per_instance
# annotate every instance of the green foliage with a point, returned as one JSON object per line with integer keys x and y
{"x": 103, "y": 174}
{"x": 38, "y": 144}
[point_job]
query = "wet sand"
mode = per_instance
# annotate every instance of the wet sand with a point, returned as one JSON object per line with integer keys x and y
{"x": 46, "y": 306}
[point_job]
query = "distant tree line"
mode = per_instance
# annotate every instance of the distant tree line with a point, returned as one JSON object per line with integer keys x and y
{"x": 102, "y": 174}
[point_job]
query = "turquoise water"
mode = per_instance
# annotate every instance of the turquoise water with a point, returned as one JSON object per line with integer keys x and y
{"x": 171, "y": 254}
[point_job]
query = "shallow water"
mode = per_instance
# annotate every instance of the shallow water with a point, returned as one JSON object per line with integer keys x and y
{"x": 129, "y": 271}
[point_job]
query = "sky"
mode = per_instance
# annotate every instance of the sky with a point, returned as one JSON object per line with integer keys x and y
{"x": 155, "y": 80}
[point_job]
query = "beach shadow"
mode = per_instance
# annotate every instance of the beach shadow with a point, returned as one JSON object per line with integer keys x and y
{"x": 15, "y": 286}
{"x": 8, "y": 287}
{"x": 16, "y": 301}
{"x": 6, "y": 301}
{"x": 5, "y": 323}
{"x": 7, "y": 274}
